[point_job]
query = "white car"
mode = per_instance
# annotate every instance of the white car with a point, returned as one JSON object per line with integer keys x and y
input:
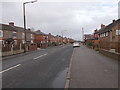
{"x": 76, "y": 44}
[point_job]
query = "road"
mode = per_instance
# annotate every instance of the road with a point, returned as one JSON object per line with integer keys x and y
{"x": 45, "y": 68}
{"x": 93, "y": 70}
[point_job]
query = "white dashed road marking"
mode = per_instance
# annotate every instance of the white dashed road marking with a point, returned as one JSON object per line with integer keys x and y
{"x": 10, "y": 68}
{"x": 40, "y": 56}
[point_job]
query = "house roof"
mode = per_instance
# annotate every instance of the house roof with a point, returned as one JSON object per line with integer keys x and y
{"x": 88, "y": 36}
{"x": 109, "y": 27}
{"x": 12, "y": 28}
{"x": 39, "y": 33}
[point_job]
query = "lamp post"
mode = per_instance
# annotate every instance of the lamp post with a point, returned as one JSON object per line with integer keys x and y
{"x": 25, "y": 49}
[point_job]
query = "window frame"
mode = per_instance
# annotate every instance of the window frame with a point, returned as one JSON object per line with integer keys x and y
{"x": 1, "y": 35}
{"x": 15, "y": 35}
{"x": 117, "y": 32}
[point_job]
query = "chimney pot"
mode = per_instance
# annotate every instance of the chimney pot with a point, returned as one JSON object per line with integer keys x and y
{"x": 113, "y": 20}
{"x": 102, "y": 26}
{"x": 38, "y": 30}
{"x": 11, "y": 23}
{"x": 29, "y": 29}
{"x": 95, "y": 30}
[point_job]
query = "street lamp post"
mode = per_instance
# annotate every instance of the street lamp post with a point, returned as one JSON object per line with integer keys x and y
{"x": 25, "y": 36}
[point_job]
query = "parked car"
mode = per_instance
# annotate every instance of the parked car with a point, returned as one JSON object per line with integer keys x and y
{"x": 76, "y": 44}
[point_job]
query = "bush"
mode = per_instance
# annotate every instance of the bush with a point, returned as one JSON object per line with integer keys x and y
{"x": 90, "y": 44}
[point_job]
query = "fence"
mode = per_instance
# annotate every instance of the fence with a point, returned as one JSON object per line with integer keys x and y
{"x": 10, "y": 49}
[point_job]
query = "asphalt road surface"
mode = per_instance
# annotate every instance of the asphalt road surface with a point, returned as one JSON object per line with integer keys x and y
{"x": 93, "y": 70}
{"x": 45, "y": 68}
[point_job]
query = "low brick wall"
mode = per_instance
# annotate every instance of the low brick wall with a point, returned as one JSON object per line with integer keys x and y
{"x": 110, "y": 54}
{"x": 32, "y": 47}
{"x": 11, "y": 52}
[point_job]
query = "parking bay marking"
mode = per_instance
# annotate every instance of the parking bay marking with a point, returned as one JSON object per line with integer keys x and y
{"x": 40, "y": 56}
{"x": 10, "y": 68}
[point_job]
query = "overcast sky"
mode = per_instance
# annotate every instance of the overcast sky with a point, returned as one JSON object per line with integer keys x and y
{"x": 56, "y": 16}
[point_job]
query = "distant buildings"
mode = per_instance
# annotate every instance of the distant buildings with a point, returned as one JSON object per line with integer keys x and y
{"x": 13, "y": 38}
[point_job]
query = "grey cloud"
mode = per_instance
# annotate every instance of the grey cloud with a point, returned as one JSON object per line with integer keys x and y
{"x": 54, "y": 17}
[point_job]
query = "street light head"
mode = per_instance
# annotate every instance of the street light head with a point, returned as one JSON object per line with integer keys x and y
{"x": 33, "y": 1}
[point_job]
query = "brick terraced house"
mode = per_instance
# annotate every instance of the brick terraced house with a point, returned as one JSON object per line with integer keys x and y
{"x": 41, "y": 39}
{"x": 12, "y": 37}
{"x": 109, "y": 37}
{"x": 96, "y": 41}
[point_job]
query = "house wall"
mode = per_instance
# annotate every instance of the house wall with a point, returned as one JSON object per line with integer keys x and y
{"x": 115, "y": 44}
{"x": 38, "y": 39}
{"x": 41, "y": 40}
{"x": 18, "y": 40}
{"x": 112, "y": 41}
{"x": 104, "y": 42}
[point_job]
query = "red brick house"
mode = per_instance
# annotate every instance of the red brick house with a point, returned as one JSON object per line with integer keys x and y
{"x": 52, "y": 40}
{"x": 89, "y": 40}
{"x": 59, "y": 40}
{"x": 12, "y": 36}
{"x": 41, "y": 39}
{"x": 96, "y": 41}
{"x": 109, "y": 37}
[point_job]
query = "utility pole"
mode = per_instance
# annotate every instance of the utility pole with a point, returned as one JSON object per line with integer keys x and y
{"x": 25, "y": 36}
{"x": 25, "y": 43}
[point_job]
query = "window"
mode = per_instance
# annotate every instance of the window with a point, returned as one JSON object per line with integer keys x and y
{"x": 117, "y": 32}
{"x": 14, "y": 34}
{"x": 1, "y": 33}
{"x": 32, "y": 41}
{"x": 103, "y": 35}
{"x": 1, "y": 42}
{"x": 106, "y": 33}
{"x": 23, "y": 35}
{"x": 23, "y": 41}
{"x": 31, "y": 35}
{"x": 110, "y": 36}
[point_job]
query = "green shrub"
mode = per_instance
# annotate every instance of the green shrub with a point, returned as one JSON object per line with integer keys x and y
{"x": 90, "y": 43}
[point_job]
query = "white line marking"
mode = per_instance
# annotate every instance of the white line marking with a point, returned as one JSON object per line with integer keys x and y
{"x": 10, "y": 68}
{"x": 40, "y": 56}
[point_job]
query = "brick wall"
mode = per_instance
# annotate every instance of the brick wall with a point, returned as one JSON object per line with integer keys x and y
{"x": 112, "y": 41}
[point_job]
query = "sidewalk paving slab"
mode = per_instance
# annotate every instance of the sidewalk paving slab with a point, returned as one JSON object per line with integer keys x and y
{"x": 93, "y": 70}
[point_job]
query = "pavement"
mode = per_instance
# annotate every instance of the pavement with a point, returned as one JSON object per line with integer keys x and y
{"x": 40, "y": 69}
{"x": 90, "y": 69}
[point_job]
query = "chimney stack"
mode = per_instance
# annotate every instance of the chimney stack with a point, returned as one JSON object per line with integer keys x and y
{"x": 29, "y": 29}
{"x": 49, "y": 33}
{"x": 95, "y": 30}
{"x": 11, "y": 23}
{"x": 38, "y": 30}
{"x": 113, "y": 20}
{"x": 102, "y": 26}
